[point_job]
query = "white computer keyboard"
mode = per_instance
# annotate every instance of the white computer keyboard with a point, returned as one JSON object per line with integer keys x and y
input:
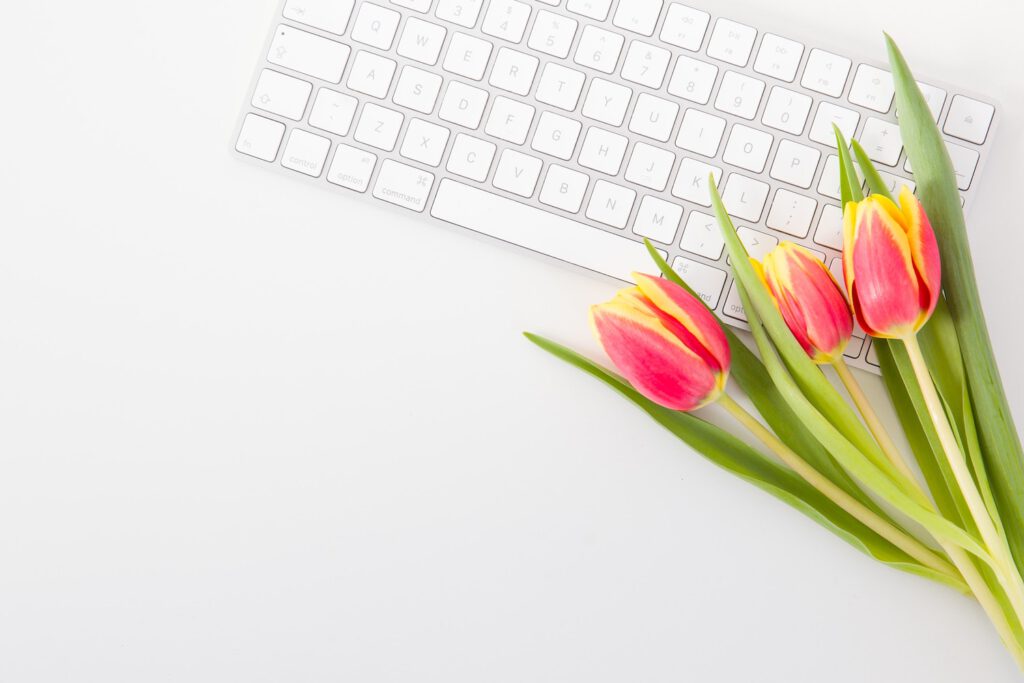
{"x": 576, "y": 128}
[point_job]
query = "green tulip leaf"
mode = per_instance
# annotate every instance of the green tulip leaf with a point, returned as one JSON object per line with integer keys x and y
{"x": 808, "y": 375}
{"x": 874, "y": 179}
{"x": 938, "y": 190}
{"x": 849, "y": 456}
{"x": 736, "y": 456}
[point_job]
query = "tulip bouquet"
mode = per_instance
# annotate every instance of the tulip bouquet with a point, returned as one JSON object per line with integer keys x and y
{"x": 958, "y": 516}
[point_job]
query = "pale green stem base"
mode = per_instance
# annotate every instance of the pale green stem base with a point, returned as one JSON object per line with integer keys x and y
{"x": 874, "y": 423}
{"x": 1007, "y": 573}
{"x": 899, "y": 538}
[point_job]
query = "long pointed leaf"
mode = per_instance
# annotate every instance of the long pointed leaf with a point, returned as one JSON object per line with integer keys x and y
{"x": 812, "y": 382}
{"x": 741, "y": 459}
{"x": 938, "y": 190}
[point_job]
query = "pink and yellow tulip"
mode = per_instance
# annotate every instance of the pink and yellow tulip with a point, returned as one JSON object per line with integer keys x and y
{"x": 810, "y": 300}
{"x": 891, "y": 265}
{"x": 665, "y": 343}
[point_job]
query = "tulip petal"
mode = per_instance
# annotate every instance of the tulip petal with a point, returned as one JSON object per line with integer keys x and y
{"x": 690, "y": 313}
{"x": 885, "y": 292}
{"x": 822, "y": 305}
{"x": 810, "y": 301}
{"x": 924, "y": 250}
{"x": 652, "y": 359}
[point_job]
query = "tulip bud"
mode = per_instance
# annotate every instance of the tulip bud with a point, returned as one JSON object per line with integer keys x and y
{"x": 810, "y": 300}
{"x": 665, "y": 342}
{"x": 891, "y": 265}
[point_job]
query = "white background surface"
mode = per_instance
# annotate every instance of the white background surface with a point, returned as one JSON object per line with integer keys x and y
{"x": 255, "y": 431}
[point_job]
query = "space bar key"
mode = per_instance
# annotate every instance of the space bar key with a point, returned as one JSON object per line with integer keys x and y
{"x": 539, "y": 230}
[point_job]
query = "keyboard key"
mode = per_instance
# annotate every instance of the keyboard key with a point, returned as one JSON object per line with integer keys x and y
{"x": 828, "y": 184}
{"x": 607, "y": 102}
{"x": 739, "y": 95}
{"x": 611, "y": 204}
{"x": 826, "y": 73}
{"x": 748, "y": 148}
{"x": 425, "y": 142}
{"x": 260, "y": 137}
{"x": 829, "y": 114}
{"x": 830, "y": 228}
{"x": 352, "y": 168}
{"x": 506, "y": 19}
{"x": 463, "y": 104}
{"x": 564, "y": 188}
{"x": 560, "y": 86}
{"x": 705, "y": 281}
{"x": 599, "y": 49}
{"x": 702, "y": 237}
{"x": 510, "y": 120}
{"x": 539, "y": 230}
{"x": 553, "y": 34}
{"x": 654, "y": 117}
{"x": 309, "y": 54}
{"x": 733, "y": 306}
{"x": 418, "y": 5}
{"x": 758, "y": 244}
{"x": 281, "y": 95}
{"x": 965, "y": 163}
{"x": 778, "y": 57}
{"x": 467, "y": 56}
{"x": 594, "y": 9}
{"x": 603, "y": 151}
{"x": 787, "y": 111}
{"x": 701, "y": 133}
{"x": 650, "y": 166}
{"x": 403, "y": 185}
{"x": 375, "y": 26}
{"x": 745, "y": 197}
{"x": 517, "y": 173}
{"x": 371, "y": 74}
{"x": 969, "y": 119}
{"x": 306, "y": 153}
{"x": 685, "y": 27}
{"x": 461, "y": 12}
{"x": 556, "y": 135}
{"x": 882, "y": 141}
{"x": 421, "y": 41}
{"x": 692, "y": 181}
{"x": 333, "y": 112}
{"x": 895, "y": 183}
{"x": 795, "y": 164}
{"x": 639, "y": 16}
{"x": 658, "y": 220}
{"x": 471, "y": 157}
{"x": 936, "y": 98}
{"x": 379, "y": 127}
{"x": 732, "y": 42}
{"x": 791, "y": 213}
{"x": 873, "y": 89}
{"x": 514, "y": 71}
{"x": 329, "y": 15}
{"x": 646, "y": 64}
{"x": 417, "y": 89}
{"x": 693, "y": 80}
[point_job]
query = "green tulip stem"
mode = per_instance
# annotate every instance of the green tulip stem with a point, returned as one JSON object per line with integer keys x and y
{"x": 1009, "y": 579}
{"x": 873, "y": 422}
{"x": 899, "y": 538}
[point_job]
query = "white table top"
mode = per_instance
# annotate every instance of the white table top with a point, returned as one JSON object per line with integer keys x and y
{"x": 242, "y": 442}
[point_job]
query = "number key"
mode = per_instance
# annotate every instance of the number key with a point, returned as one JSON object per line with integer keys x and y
{"x": 461, "y": 12}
